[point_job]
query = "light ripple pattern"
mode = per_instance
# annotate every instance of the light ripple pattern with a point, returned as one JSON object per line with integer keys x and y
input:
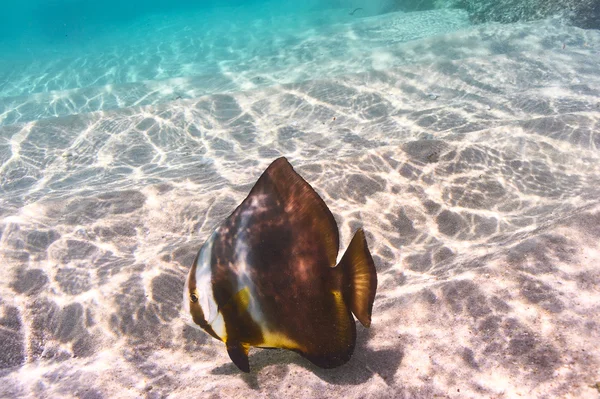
{"x": 192, "y": 56}
{"x": 476, "y": 178}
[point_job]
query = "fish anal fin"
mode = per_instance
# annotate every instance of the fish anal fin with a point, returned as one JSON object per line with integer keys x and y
{"x": 336, "y": 345}
{"x": 238, "y": 353}
{"x": 360, "y": 278}
{"x": 333, "y": 358}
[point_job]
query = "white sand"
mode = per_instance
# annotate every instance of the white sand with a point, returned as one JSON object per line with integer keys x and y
{"x": 476, "y": 177}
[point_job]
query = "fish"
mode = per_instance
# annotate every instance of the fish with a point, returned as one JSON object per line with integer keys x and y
{"x": 267, "y": 276}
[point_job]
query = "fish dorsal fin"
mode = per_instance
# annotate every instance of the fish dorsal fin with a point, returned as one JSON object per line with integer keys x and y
{"x": 360, "y": 278}
{"x": 304, "y": 208}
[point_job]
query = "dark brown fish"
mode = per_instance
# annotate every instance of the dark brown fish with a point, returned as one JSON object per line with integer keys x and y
{"x": 267, "y": 277}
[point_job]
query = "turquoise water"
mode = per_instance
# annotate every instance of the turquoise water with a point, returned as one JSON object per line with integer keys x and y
{"x": 82, "y": 22}
{"x": 79, "y": 27}
{"x": 80, "y": 55}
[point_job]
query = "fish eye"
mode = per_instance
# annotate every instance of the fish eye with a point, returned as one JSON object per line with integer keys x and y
{"x": 194, "y": 298}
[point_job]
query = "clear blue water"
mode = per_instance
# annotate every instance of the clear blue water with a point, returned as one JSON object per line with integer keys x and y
{"x": 81, "y": 49}
{"x": 73, "y": 27}
{"x": 76, "y": 22}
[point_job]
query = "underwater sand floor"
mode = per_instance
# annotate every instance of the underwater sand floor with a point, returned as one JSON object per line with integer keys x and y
{"x": 477, "y": 180}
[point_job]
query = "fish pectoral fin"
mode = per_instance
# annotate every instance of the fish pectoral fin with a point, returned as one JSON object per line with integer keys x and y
{"x": 238, "y": 353}
{"x": 238, "y": 303}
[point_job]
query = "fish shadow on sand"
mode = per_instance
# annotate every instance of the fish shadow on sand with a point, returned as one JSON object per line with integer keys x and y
{"x": 364, "y": 364}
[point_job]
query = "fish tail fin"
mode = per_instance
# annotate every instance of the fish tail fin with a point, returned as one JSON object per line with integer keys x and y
{"x": 359, "y": 278}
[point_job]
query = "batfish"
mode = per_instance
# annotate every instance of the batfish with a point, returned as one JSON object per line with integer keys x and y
{"x": 267, "y": 276}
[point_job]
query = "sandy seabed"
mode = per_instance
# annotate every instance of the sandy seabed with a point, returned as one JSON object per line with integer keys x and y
{"x": 475, "y": 171}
